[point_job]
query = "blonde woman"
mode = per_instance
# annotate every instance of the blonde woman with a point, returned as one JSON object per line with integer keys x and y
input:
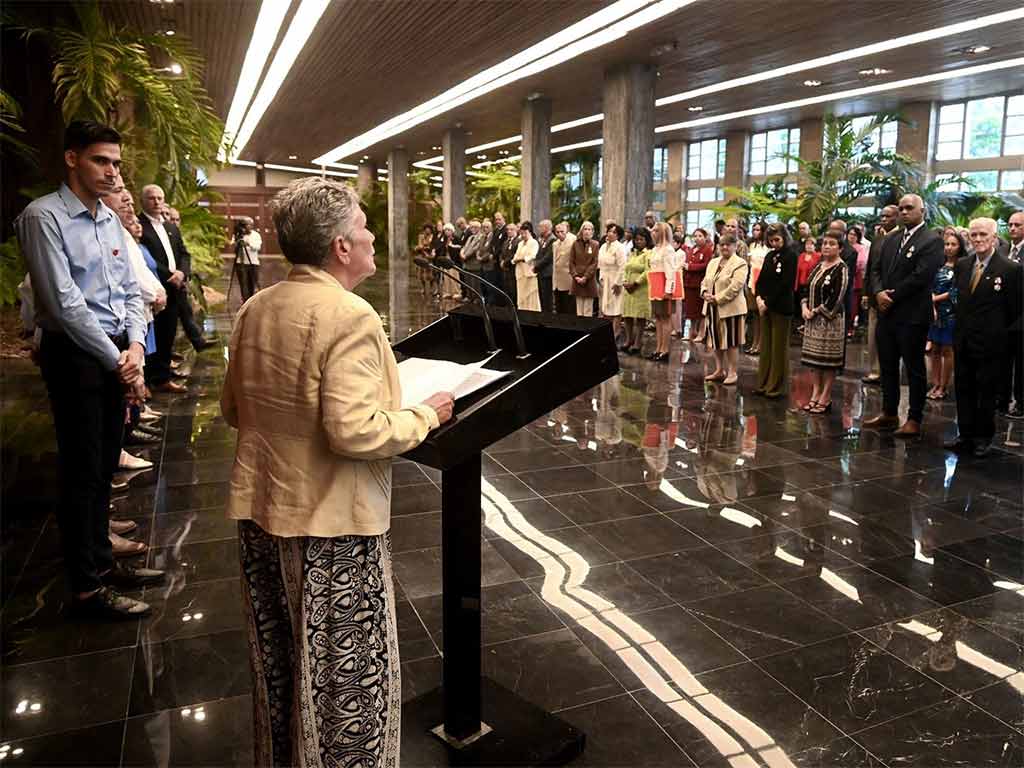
{"x": 666, "y": 287}
{"x": 611, "y": 262}
{"x": 527, "y": 288}
{"x": 725, "y": 306}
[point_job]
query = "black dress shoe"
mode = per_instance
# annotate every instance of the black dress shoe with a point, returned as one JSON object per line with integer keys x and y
{"x": 132, "y": 576}
{"x": 138, "y": 437}
{"x": 983, "y": 449}
{"x": 108, "y": 604}
{"x": 202, "y": 344}
{"x": 959, "y": 445}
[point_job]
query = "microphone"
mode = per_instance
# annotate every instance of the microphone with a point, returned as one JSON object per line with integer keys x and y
{"x": 516, "y": 327}
{"x": 492, "y": 347}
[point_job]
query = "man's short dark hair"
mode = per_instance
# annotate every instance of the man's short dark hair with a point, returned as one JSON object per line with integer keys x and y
{"x": 82, "y": 133}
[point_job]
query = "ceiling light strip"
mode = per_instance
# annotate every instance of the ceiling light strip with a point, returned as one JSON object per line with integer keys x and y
{"x": 548, "y": 53}
{"x": 847, "y": 94}
{"x": 299, "y": 31}
{"x": 493, "y": 144}
{"x": 578, "y": 145}
{"x": 577, "y": 123}
{"x": 268, "y": 25}
{"x": 852, "y": 53}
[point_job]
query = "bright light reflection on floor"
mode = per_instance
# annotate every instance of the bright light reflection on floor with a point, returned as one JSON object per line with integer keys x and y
{"x": 735, "y": 736}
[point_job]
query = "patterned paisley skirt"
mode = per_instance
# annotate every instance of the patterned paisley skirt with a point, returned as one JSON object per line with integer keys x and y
{"x": 322, "y": 639}
{"x": 825, "y": 342}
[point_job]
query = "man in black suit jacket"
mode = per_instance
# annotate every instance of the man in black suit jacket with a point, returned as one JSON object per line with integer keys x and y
{"x": 543, "y": 266}
{"x": 164, "y": 242}
{"x": 988, "y": 304}
{"x": 902, "y": 281}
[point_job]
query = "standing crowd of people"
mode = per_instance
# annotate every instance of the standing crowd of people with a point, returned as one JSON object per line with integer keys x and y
{"x": 904, "y": 288}
{"x": 105, "y": 292}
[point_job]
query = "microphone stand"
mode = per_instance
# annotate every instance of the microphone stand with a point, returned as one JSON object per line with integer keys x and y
{"x": 492, "y": 347}
{"x": 516, "y": 327}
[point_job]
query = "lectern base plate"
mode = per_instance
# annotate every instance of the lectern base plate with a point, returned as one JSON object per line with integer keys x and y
{"x": 522, "y": 733}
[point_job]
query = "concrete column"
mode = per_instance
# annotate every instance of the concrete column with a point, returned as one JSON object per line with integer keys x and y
{"x": 811, "y": 143}
{"x": 914, "y": 138}
{"x": 536, "y": 163}
{"x": 674, "y": 184}
{"x": 628, "y": 152}
{"x": 366, "y": 176}
{"x": 735, "y": 159}
{"x": 453, "y": 193}
{"x": 398, "y": 242}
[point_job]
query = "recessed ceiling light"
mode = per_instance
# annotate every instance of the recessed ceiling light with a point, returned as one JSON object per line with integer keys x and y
{"x": 481, "y": 157}
{"x": 293, "y": 157}
{"x": 421, "y": 153}
{"x": 175, "y": 68}
{"x": 976, "y": 49}
{"x": 436, "y": 148}
{"x": 812, "y": 83}
{"x": 661, "y": 50}
{"x": 169, "y": 32}
{"x": 695, "y": 109}
{"x": 366, "y": 157}
{"x": 874, "y": 72}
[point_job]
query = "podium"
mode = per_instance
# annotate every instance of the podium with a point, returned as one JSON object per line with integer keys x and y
{"x": 471, "y": 720}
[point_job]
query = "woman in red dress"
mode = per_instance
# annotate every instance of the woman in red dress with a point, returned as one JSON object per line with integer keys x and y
{"x": 698, "y": 256}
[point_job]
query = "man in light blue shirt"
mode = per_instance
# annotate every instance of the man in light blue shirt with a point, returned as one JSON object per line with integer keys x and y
{"x": 91, "y": 354}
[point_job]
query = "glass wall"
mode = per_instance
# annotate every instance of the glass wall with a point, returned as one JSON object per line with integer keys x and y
{"x": 989, "y": 127}
{"x": 767, "y": 152}
{"x": 705, "y": 160}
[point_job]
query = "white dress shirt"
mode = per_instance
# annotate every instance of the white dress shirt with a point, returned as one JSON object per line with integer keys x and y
{"x": 165, "y": 241}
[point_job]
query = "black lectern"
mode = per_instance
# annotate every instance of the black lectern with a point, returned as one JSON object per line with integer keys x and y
{"x": 479, "y": 721}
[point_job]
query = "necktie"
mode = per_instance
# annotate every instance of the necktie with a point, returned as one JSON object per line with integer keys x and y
{"x": 976, "y": 276}
{"x": 1015, "y": 253}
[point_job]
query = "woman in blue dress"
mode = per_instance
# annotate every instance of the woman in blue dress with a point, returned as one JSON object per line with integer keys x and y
{"x": 940, "y": 334}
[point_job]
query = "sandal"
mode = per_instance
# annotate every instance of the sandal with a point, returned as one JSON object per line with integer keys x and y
{"x": 715, "y": 377}
{"x": 822, "y": 408}
{"x": 811, "y": 405}
{"x": 731, "y": 381}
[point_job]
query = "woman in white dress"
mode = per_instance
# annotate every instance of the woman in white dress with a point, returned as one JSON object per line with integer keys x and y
{"x": 527, "y": 289}
{"x": 611, "y": 262}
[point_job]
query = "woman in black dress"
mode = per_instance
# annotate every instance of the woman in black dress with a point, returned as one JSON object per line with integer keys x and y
{"x": 824, "y": 313}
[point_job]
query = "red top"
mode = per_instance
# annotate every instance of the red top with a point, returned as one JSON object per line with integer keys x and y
{"x": 697, "y": 260}
{"x": 806, "y": 263}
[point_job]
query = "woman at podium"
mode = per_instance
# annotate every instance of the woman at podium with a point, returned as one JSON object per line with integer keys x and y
{"x": 312, "y": 388}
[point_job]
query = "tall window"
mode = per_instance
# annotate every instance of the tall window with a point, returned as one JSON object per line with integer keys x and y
{"x": 983, "y": 181}
{"x": 989, "y": 127}
{"x": 706, "y": 159}
{"x": 767, "y": 150}
{"x": 660, "y": 164}
{"x": 883, "y": 138}
{"x": 697, "y": 216}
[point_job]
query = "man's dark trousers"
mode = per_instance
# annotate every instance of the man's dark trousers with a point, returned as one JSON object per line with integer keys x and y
{"x": 165, "y": 328}
{"x": 902, "y": 341}
{"x": 547, "y": 295}
{"x": 88, "y": 415}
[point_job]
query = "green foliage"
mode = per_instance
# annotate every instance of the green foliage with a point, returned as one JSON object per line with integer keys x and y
{"x": 577, "y": 203}
{"x": 106, "y": 73}
{"x": 12, "y": 270}
{"x": 767, "y": 198}
{"x": 494, "y": 188}
{"x": 11, "y": 127}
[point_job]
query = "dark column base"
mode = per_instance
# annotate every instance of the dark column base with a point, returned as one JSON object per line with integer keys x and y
{"x": 521, "y": 733}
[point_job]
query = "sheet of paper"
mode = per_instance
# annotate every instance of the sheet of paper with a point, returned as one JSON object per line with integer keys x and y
{"x": 421, "y": 377}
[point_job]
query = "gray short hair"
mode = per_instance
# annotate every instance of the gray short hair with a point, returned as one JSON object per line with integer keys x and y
{"x": 989, "y": 225}
{"x": 309, "y": 213}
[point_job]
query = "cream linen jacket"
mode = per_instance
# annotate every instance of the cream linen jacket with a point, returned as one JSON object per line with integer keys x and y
{"x": 726, "y": 281}
{"x": 312, "y": 387}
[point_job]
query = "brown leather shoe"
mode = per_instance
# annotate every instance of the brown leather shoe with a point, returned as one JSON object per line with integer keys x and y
{"x": 882, "y": 423}
{"x": 910, "y": 428}
{"x": 170, "y": 386}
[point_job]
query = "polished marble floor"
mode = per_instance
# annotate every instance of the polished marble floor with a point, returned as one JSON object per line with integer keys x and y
{"x": 691, "y": 575}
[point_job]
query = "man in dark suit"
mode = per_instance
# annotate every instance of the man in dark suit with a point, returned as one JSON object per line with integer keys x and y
{"x": 889, "y": 222}
{"x": 163, "y": 241}
{"x": 988, "y": 304}
{"x": 902, "y": 281}
{"x": 1013, "y": 375}
{"x": 492, "y": 268}
{"x": 543, "y": 266}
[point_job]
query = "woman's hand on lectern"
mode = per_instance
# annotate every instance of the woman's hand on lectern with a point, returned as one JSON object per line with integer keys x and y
{"x": 443, "y": 404}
